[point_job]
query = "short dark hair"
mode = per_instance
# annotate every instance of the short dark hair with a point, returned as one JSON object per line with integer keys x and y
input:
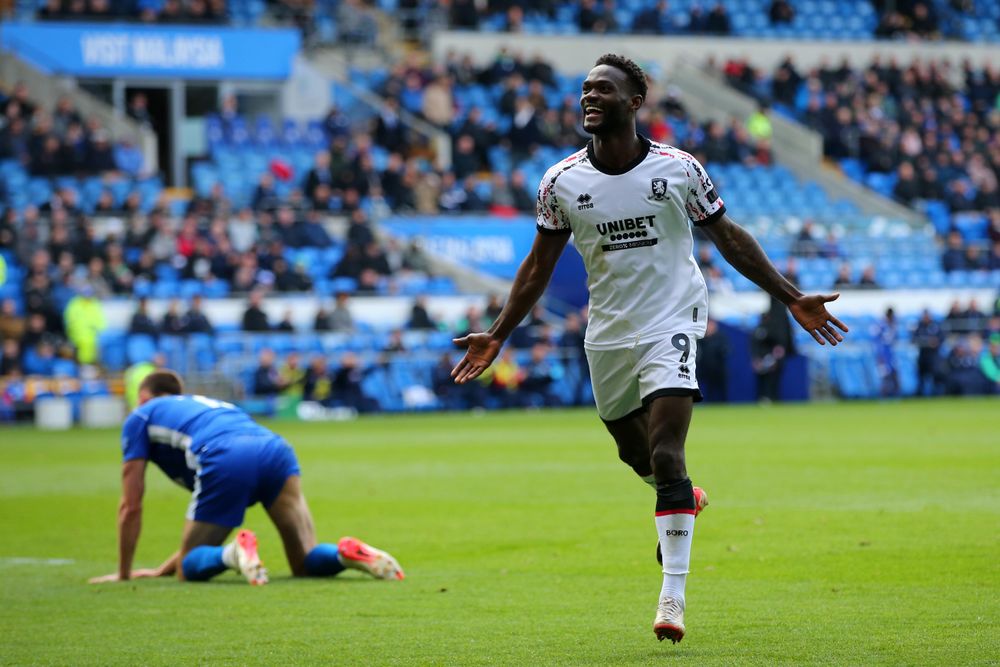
{"x": 163, "y": 382}
{"x": 634, "y": 73}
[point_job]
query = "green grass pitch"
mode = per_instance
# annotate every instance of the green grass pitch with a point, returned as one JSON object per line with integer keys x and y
{"x": 838, "y": 534}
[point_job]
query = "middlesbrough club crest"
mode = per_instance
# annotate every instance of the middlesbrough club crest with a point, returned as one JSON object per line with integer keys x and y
{"x": 659, "y": 186}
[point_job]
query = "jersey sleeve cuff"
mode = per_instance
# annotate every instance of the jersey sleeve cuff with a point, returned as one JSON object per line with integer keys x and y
{"x": 715, "y": 217}
{"x": 553, "y": 232}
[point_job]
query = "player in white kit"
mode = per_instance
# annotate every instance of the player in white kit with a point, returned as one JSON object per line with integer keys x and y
{"x": 629, "y": 204}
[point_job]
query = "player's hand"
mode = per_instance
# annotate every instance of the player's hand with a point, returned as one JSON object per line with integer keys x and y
{"x": 105, "y": 579}
{"x": 481, "y": 350}
{"x": 146, "y": 573}
{"x": 811, "y": 314}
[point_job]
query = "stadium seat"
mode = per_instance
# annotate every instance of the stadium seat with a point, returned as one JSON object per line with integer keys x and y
{"x": 139, "y": 347}
{"x": 112, "y": 352}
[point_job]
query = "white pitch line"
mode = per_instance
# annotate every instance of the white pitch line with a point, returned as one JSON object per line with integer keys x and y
{"x": 10, "y": 562}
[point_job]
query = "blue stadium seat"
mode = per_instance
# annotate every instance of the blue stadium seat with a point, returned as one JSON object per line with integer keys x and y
{"x": 66, "y": 368}
{"x": 111, "y": 350}
{"x": 139, "y": 347}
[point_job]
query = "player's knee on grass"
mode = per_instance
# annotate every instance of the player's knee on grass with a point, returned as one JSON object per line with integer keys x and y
{"x": 202, "y": 563}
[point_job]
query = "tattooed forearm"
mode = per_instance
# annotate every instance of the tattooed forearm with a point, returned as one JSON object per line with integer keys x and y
{"x": 741, "y": 250}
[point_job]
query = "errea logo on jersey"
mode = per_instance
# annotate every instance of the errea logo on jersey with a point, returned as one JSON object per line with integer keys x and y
{"x": 584, "y": 201}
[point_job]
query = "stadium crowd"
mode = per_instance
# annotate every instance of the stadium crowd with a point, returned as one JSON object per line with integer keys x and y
{"x": 71, "y": 258}
{"x": 544, "y": 365}
{"x": 958, "y": 355}
{"x": 504, "y": 118}
{"x": 148, "y": 11}
{"x": 350, "y": 21}
{"x": 895, "y": 19}
{"x": 934, "y": 141}
{"x": 59, "y": 142}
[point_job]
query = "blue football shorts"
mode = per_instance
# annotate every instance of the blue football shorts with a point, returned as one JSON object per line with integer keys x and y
{"x": 248, "y": 470}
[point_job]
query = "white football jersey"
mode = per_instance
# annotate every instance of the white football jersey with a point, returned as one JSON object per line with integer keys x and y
{"x": 633, "y": 229}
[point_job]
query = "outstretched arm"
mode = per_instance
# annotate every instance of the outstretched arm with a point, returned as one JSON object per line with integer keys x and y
{"x": 129, "y": 519}
{"x": 741, "y": 250}
{"x": 529, "y": 285}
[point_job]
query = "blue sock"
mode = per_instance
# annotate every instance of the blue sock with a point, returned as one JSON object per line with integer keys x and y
{"x": 323, "y": 562}
{"x": 203, "y": 563}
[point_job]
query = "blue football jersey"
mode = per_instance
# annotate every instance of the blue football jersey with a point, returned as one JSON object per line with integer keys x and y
{"x": 180, "y": 433}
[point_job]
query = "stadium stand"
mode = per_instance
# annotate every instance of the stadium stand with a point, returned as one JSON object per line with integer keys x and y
{"x": 919, "y": 133}
{"x": 499, "y": 118}
{"x": 781, "y": 19}
{"x": 345, "y": 22}
{"x": 80, "y": 219}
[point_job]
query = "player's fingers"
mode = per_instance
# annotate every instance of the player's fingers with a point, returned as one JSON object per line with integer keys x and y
{"x": 459, "y": 367}
{"x": 470, "y": 372}
{"x": 817, "y": 337}
{"x": 827, "y": 298}
{"x": 829, "y": 334}
{"x": 840, "y": 325}
{"x": 461, "y": 342}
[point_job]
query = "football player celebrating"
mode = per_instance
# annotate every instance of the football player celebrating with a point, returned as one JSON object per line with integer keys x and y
{"x": 229, "y": 462}
{"x": 630, "y": 203}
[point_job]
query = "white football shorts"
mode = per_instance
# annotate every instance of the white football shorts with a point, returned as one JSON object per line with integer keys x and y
{"x": 626, "y": 380}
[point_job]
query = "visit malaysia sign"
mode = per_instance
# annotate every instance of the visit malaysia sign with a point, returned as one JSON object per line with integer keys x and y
{"x": 185, "y": 52}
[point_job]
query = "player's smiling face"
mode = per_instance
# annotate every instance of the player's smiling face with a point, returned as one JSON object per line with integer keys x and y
{"x": 607, "y": 100}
